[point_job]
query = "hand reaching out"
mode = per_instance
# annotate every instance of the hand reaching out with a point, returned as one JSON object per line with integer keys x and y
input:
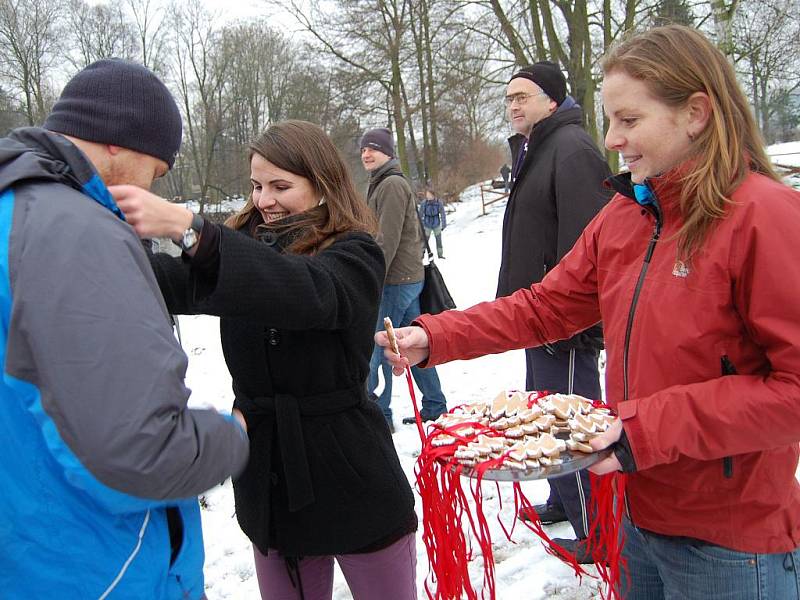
{"x": 237, "y": 414}
{"x": 149, "y": 215}
{"x": 413, "y": 345}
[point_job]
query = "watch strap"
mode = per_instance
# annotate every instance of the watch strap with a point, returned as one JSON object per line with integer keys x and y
{"x": 197, "y": 223}
{"x": 191, "y": 235}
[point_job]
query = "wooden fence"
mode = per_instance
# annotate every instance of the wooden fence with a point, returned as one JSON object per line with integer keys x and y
{"x": 490, "y": 195}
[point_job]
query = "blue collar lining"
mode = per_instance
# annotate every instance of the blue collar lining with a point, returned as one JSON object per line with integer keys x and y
{"x": 643, "y": 193}
{"x": 97, "y": 191}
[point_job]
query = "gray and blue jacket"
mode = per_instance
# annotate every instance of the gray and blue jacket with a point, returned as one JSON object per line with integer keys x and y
{"x": 101, "y": 458}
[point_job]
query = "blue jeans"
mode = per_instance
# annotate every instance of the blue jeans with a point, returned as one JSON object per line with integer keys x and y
{"x": 678, "y": 568}
{"x": 401, "y": 304}
{"x": 437, "y": 233}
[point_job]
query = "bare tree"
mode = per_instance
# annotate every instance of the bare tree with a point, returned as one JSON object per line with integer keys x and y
{"x": 260, "y": 73}
{"x": 766, "y": 39}
{"x": 10, "y": 115}
{"x": 723, "y": 12}
{"x": 29, "y": 35}
{"x": 431, "y": 22}
{"x": 150, "y": 25}
{"x": 200, "y": 68}
{"x": 371, "y": 40}
{"x": 99, "y": 31}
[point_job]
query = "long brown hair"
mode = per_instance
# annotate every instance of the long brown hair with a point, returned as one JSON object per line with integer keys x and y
{"x": 675, "y": 62}
{"x": 304, "y": 149}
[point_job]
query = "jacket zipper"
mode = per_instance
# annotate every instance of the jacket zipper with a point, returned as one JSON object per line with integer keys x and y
{"x": 727, "y": 369}
{"x": 637, "y": 290}
{"x": 654, "y": 209}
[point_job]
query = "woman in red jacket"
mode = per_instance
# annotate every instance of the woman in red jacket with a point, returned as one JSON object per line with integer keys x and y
{"x": 690, "y": 271}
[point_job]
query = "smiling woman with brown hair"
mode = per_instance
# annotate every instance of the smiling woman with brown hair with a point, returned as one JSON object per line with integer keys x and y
{"x": 296, "y": 278}
{"x": 303, "y": 150}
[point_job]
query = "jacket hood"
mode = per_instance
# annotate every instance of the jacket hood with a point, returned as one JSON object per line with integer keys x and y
{"x": 569, "y": 102}
{"x": 35, "y": 154}
{"x": 564, "y": 115}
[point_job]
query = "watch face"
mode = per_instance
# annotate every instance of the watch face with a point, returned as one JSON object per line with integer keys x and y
{"x": 189, "y": 239}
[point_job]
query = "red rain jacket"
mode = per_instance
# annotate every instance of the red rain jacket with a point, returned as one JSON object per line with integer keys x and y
{"x": 716, "y": 453}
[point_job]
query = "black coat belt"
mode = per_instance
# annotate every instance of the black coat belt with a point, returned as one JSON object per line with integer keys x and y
{"x": 287, "y": 412}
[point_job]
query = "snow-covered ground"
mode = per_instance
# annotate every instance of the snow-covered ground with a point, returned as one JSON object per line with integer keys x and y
{"x": 786, "y": 157}
{"x": 523, "y": 569}
{"x": 786, "y": 154}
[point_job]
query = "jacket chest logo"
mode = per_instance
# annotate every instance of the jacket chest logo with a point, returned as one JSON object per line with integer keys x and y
{"x": 680, "y": 269}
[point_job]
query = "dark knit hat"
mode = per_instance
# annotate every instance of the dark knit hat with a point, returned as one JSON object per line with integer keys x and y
{"x": 117, "y": 102}
{"x": 379, "y": 139}
{"x": 548, "y": 76}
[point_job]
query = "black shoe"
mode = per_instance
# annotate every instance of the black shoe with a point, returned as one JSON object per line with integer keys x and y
{"x": 548, "y": 513}
{"x": 441, "y": 256}
{"x": 391, "y": 426}
{"x": 577, "y": 548}
{"x": 425, "y": 418}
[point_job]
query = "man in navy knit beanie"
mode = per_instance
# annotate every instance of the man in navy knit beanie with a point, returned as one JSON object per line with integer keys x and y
{"x": 115, "y": 101}
{"x": 102, "y": 448}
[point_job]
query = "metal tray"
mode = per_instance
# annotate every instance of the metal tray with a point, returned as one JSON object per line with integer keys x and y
{"x": 572, "y": 462}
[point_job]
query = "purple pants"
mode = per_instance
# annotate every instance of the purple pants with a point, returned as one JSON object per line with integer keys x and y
{"x": 387, "y": 573}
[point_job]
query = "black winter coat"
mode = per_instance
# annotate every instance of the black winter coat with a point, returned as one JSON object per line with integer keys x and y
{"x": 323, "y": 476}
{"x": 558, "y": 190}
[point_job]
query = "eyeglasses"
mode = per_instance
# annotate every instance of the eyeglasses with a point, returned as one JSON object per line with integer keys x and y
{"x": 521, "y": 99}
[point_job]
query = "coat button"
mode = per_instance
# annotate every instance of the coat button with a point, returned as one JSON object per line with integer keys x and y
{"x": 269, "y": 238}
{"x": 273, "y": 337}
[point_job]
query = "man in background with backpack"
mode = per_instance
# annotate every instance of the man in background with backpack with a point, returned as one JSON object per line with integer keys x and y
{"x": 391, "y": 198}
{"x": 431, "y": 211}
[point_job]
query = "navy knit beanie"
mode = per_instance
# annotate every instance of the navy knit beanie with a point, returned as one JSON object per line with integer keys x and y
{"x": 117, "y": 102}
{"x": 548, "y": 76}
{"x": 379, "y": 139}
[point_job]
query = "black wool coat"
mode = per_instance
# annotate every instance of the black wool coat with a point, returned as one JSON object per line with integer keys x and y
{"x": 323, "y": 476}
{"x": 558, "y": 190}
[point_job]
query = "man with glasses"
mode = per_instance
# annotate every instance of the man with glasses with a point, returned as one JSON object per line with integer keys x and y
{"x": 556, "y": 190}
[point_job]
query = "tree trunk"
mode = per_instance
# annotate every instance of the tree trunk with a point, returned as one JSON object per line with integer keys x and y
{"x": 556, "y": 49}
{"x": 723, "y": 24}
{"x": 432, "y": 102}
{"x": 424, "y": 161}
{"x": 396, "y": 94}
{"x": 412, "y": 137}
{"x": 520, "y": 58}
{"x": 536, "y": 25}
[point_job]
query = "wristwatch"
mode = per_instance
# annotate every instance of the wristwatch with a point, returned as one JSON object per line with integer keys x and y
{"x": 192, "y": 234}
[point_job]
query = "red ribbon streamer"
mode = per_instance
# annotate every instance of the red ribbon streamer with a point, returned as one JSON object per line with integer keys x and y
{"x": 445, "y": 506}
